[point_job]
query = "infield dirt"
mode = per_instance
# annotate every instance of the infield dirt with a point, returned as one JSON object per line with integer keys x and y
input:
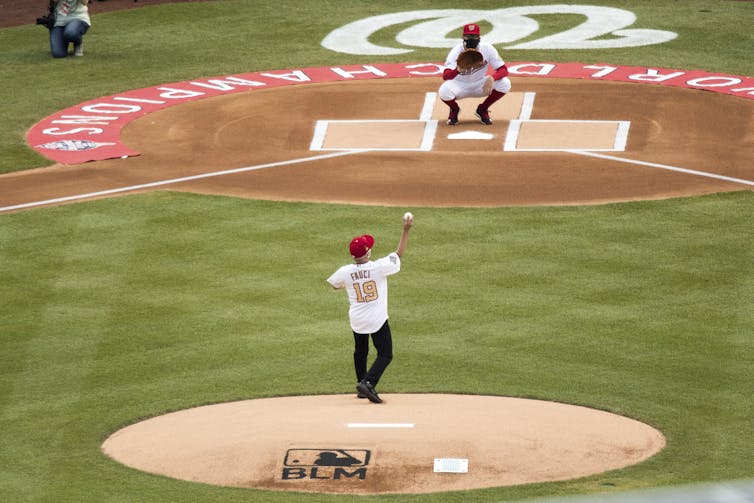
{"x": 690, "y": 129}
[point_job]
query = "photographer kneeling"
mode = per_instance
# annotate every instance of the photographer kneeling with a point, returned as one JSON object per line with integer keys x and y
{"x": 71, "y": 23}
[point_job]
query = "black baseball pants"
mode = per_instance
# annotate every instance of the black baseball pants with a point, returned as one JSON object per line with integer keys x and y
{"x": 383, "y": 342}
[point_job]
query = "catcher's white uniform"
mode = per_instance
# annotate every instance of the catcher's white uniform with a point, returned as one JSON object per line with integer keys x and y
{"x": 471, "y": 84}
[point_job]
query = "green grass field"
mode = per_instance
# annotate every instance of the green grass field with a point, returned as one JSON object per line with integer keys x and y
{"x": 119, "y": 309}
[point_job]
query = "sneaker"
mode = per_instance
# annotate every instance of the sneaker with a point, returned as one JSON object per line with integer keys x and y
{"x": 361, "y": 395}
{"x": 78, "y": 50}
{"x": 453, "y": 117}
{"x": 484, "y": 115}
{"x": 366, "y": 388}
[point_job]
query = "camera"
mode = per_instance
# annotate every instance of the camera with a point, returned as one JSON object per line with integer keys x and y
{"x": 48, "y": 20}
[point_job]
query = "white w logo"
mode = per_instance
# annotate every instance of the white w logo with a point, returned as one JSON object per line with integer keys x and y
{"x": 508, "y": 25}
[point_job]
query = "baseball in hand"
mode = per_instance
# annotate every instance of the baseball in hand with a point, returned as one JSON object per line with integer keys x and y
{"x": 408, "y": 217}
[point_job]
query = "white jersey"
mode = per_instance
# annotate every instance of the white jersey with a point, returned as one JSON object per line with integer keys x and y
{"x": 366, "y": 285}
{"x": 491, "y": 58}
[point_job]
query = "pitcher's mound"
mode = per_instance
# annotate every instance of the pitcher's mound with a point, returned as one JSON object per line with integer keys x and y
{"x": 413, "y": 443}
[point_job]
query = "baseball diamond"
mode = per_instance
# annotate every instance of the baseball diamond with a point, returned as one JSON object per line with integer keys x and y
{"x": 535, "y": 166}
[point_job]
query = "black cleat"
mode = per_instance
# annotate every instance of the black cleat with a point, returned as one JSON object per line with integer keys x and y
{"x": 484, "y": 115}
{"x": 453, "y": 117}
{"x": 366, "y": 388}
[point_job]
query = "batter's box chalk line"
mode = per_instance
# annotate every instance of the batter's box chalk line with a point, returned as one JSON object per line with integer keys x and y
{"x": 611, "y": 134}
{"x": 406, "y": 135}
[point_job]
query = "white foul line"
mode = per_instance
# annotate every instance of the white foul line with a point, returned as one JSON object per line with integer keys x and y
{"x": 663, "y": 166}
{"x": 178, "y": 180}
{"x": 379, "y": 425}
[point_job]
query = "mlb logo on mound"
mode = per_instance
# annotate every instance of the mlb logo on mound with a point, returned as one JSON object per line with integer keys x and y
{"x": 325, "y": 464}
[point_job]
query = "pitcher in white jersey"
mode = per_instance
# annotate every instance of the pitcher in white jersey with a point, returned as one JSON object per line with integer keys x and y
{"x": 460, "y": 84}
{"x": 365, "y": 282}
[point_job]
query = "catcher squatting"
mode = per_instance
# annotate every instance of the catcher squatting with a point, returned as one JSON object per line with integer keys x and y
{"x": 465, "y": 75}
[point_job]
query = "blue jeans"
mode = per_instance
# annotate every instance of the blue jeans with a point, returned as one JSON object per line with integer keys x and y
{"x": 61, "y": 36}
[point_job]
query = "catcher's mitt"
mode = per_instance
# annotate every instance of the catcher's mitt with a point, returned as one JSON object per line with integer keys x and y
{"x": 469, "y": 61}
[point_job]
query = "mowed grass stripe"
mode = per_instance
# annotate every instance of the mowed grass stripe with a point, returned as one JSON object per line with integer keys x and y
{"x": 64, "y": 325}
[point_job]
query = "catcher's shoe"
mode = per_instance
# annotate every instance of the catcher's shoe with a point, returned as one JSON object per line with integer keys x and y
{"x": 453, "y": 117}
{"x": 366, "y": 388}
{"x": 484, "y": 115}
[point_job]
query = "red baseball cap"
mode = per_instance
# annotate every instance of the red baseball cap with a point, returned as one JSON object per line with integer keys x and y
{"x": 361, "y": 245}
{"x": 471, "y": 29}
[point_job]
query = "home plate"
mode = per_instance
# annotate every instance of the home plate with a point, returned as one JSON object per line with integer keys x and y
{"x": 470, "y": 135}
{"x": 451, "y": 465}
